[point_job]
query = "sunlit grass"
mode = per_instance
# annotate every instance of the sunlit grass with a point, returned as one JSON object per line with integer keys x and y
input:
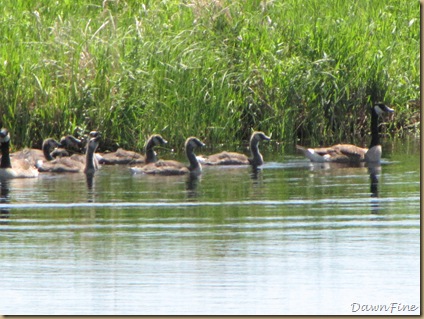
{"x": 214, "y": 69}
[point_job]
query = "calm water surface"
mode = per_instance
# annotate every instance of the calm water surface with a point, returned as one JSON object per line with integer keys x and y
{"x": 292, "y": 238}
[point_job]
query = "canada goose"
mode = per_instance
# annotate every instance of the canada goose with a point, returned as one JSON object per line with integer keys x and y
{"x": 91, "y": 162}
{"x": 171, "y": 167}
{"x": 122, "y": 156}
{"x": 233, "y": 158}
{"x": 76, "y": 163}
{"x": 76, "y": 148}
{"x": 68, "y": 145}
{"x": 71, "y": 145}
{"x": 19, "y": 167}
{"x": 348, "y": 153}
{"x": 33, "y": 155}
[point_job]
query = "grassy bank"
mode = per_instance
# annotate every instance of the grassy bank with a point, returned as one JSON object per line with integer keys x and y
{"x": 215, "y": 69}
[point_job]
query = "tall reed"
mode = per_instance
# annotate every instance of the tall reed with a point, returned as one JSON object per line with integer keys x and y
{"x": 303, "y": 70}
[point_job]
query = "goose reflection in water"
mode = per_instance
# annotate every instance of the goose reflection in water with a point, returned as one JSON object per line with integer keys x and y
{"x": 192, "y": 182}
{"x": 89, "y": 178}
{"x": 374, "y": 171}
{"x": 254, "y": 174}
{"x": 4, "y": 199}
{"x": 257, "y": 180}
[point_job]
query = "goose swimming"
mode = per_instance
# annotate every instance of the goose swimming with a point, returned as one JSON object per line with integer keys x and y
{"x": 349, "y": 153}
{"x": 171, "y": 167}
{"x": 234, "y": 158}
{"x": 16, "y": 168}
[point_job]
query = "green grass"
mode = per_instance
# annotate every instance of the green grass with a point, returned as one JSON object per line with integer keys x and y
{"x": 301, "y": 70}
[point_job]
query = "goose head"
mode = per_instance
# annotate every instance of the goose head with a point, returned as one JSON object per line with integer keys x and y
{"x": 193, "y": 142}
{"x": 93, "y": 143}
{"x": 94, "y": 134}
{"x": 258, "y": 136}
{"x": 51, "y": 143}
{"x": 381, "y": 109}
{"x": 4, "y": 136}
{"x": 70, "y": 142}
{"x": 155, "y": 140}
{"x": 86, "y": 140}
{"x": 159, "y": 140}
{"x": 48, "y": 145}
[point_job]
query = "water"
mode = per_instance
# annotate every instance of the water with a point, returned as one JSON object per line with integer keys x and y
{"x": 293, "y": 238}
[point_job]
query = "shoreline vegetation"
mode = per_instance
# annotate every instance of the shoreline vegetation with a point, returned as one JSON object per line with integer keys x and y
{"x": 301, "y": 70}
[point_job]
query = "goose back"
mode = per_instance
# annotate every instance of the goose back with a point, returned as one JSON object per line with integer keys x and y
{"x": 224, "y": 158}
{"x": 121, "y": 157}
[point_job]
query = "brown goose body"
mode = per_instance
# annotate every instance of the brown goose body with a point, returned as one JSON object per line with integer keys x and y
{"x": 234, "y": 158}
{"x": 340, "y": 153}
{"x": 349, "y": 153}
{"x": 224, "y": 158}
{"x": 171, "y": 167}
{"x": 162, "y": 167}
{"x": 121, "y": 157}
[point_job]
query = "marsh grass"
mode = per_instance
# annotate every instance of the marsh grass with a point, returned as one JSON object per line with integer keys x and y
{"x": 303, "y": 70}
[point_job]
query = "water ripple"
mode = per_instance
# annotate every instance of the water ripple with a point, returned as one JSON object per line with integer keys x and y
{"x": 333, "y": 201}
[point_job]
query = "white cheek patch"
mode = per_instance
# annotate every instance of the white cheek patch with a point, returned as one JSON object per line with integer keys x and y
{"x": 378, "y": 110}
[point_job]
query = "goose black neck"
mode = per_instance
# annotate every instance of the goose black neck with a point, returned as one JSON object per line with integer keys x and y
{"x": 150, "y": 153}
{"x": 254, "y": 149}
{"x": 256, "y": 159}
{"x": 5, "y": 158}
{"x": 375, "y": 138}
{"x": 46, "y": 151}
{"x": 89, "y": 161}
{"x": 194, "y": 164}
{"x": 47, "y": 155}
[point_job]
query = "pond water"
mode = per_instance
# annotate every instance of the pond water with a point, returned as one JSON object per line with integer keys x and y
{"x": 292, "y": 238}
